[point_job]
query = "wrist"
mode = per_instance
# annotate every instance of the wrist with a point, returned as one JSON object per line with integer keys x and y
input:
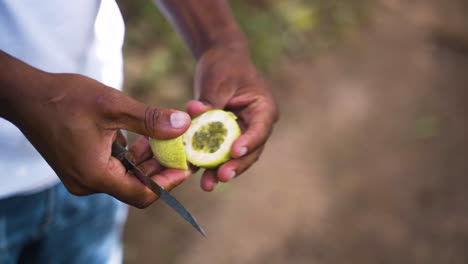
{"x": 226, "y": 39}
{"x": 229, "y": 35}
{"x": 20, "y": 86}
{"x": 203, "y": 25}
{"x": 233, "y": 43}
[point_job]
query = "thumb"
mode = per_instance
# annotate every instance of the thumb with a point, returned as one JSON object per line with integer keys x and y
{"x": 215, "y": 95}
{"x": 152, "y": 121}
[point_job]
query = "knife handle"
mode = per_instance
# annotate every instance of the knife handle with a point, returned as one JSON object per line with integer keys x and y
{"x": 118, "y": 152}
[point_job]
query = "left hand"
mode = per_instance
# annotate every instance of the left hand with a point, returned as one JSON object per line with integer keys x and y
{"x": 226, "y": 79}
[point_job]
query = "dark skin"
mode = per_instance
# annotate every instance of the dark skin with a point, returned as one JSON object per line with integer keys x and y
{"x": 72, "y": 120}
{"x": 225, "y": 78}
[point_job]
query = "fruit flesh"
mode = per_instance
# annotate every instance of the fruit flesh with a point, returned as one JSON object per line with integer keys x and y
{"x": 210, "y": 137}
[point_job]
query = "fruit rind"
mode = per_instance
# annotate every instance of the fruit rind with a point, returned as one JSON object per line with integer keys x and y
{"x": 170, "y": 153}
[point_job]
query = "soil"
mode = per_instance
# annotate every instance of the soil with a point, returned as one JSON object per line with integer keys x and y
{"x": 368, "y": 163}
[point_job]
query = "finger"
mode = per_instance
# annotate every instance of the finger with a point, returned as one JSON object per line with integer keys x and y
{"x": 149, "y": 120}
{"x": 124, "y": 186}
{"x": 127, "y": 188}
{"x": 171, "y": 178}
{"x": 195, "y": 108}
{"x": 212, "y": 88}
{"x": 258, "y": 130}
{"x": 236, "y": 167}
{"x": 150, "y": 167}
{"x": 208, "y": 180}
{"x": 140, "y": 150}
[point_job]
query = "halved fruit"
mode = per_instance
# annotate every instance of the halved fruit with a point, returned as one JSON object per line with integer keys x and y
{"x": 209, "y": 139}
{"x": 207, "y": 143}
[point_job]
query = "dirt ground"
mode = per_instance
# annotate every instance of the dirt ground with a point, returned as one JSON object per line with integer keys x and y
{"x": 367, "y": 165}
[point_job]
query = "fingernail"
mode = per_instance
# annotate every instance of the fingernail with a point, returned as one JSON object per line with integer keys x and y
{"x": 243, "y": 151}
{"x": 179, "y": 119}
{"x": 232, "y": 174}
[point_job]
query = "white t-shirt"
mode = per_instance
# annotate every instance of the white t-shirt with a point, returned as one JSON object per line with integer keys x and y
{"x": 57, "y": 36}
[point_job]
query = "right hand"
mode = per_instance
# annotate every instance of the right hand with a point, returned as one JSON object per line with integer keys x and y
{"x": 72, "y": 121}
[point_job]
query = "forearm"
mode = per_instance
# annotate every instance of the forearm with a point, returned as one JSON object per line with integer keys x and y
{"x": 19, "y": 83}
{"x": 203, "y": 24}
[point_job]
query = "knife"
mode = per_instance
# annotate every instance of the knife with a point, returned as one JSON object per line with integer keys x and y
{"x": 118, "y": 151}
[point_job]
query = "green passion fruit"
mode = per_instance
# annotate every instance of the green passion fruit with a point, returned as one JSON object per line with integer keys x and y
{"x": 207, "y": 143}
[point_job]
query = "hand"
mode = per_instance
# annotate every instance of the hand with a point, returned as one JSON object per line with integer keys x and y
{"x": 226, "y": 79}
{"x": 72, "y": 121}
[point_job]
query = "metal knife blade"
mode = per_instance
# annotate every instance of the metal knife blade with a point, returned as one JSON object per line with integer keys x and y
{"x": 118, "y": 151}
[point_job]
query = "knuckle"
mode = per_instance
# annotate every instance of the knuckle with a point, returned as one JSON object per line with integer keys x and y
{"x": 145, "y": 199}
{"x": 152, "y": 115}
{"x": 107, "y": 102}
{"x": 273, "y": 108}
{"x": 140, "y": 205}
{"x": 143, "y": 202}
{"x": 270, "y": 106}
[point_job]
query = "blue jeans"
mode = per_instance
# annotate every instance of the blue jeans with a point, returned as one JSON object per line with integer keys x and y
{"x": 54, "y": 226}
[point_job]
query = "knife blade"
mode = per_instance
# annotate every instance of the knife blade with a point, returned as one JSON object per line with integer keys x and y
{"x": 118, "y": 151}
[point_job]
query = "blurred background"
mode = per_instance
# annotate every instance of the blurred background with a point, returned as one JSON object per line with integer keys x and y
{"x": 368, "y": 163}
